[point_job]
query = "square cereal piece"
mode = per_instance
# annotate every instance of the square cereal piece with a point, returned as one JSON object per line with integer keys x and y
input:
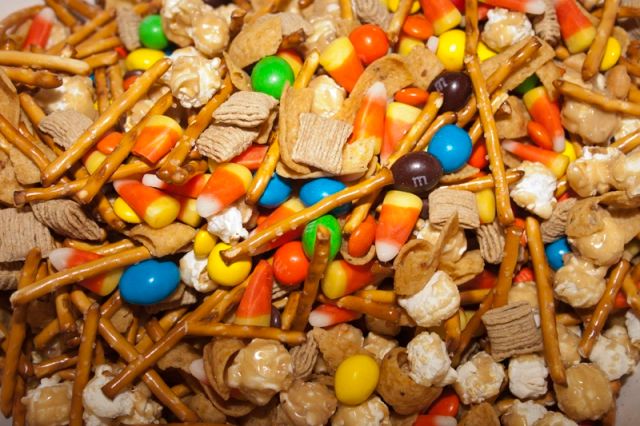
{"x": 512, "y": 330}
{"x": 320, "y": 141}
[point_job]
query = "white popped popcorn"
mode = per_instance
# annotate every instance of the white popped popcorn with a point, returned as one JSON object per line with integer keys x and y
{"x": 612, "y": 357}
{"x": 228, "y": 225}
{"x": 527, "y": 376}
{"x": 505, "y": 28}
{"x": 429, "y": 361}
{"x": 535, "y": 191}
{"x": 193, "y": 272}
{"x": 479, "y": 379}
{"x": 437, "y": 301}
{"x": 579, "y": 282}
{"x": 523, "y": 414}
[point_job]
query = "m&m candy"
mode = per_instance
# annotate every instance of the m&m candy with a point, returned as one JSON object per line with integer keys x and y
{"x": 276, "y": 193}
{"x": 270, "y": 75}
{"x": 356, "y": 379}
{"x": 151, "y": 33}
{"x": 309, "y": 235}
{"x": 555, "y": 252}
{"x": 290, "y": 264}
{"x": 149, "y": 282}
{"x": 452, "y": 146}
{"x": 317, "y": 189}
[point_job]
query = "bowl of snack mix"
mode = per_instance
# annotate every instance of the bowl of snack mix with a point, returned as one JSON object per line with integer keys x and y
{"x": 310, "y": 212}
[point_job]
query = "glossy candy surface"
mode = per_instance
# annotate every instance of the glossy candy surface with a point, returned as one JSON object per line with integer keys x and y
{"x": 356, "y": 379}
{"x": 370, "y": 117}
{"x": 156, "y": 138}
{"x": 399, "y": 214}
{"x": 40, "y": 29}
{"x": 486, "y": 201}
{"x": 151, "y": 33}
{"x": 342, "y": 278}
{"x": 327, "y": 315}
{"x": 286, "y": 209}
{"x": 546, "y": 112}
{"x": 341, "y": 61}
{"x": 413, "y": 96}
{"x": 203, "y": 243}
{"x": 290, "y": 264}
{"x": 143, "y": 59}
{"x": 451, "y": 145}
{"x": 398, "y": 120}
{"x": 227, "y": 184}
{"x": 292, "y": 58}
{"x": 555, "y": 252}
{"x": 125, "y": 212}
{"x": 149, "y": 282}
{"x": 577, "y": 30}
{"x": 309, "y": 235}
{"x": 67, "y": 257}
{"x": 270, "y": 75}
{"x": 191, "y": 188}
{"x": 109, "y": 143}
{"x": 370, "y": 42}
{"x": 455, "y": 87}
{"x": 418, "y": 27}
{"x": 416, "y": 172}
{"x": 227, "y": 275}
{"x": 442, "y": 14}
{"x": 255, "y": 306}
{"x": 451, "y": 49}
{"x": 554, "y": 161}
{"x": 611, "y": 55}
{"x": 317, "y": 189}
{"x": 155, "y": 207}
{"x": 277, "y": 191}
{"x": 362, "y": 238}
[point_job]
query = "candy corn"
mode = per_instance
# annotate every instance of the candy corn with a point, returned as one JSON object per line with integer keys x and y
{"x": 67, "y": 257}
{"x": 576, "y": 29}
{"x": 109, "y": 143}
{"x": 341, "y": 61}
{"x": 533, "y": 7}
{"x": 155, "y": 207}
{"x": 227, "y": 184}
{"x": 554, "y": 161}
{"x": 92, "y": 160}
{"x": 399, "y": 119}
{"x": 328, "y": 315}
{"x": 539, "y": 135}
{"x": 546, "y": 112}
{"x": 442, "y": 14}
{"x": 188, "y": 213}
{"x": 399, "y": 214}
{"x": 255, "y": 305}
{"x": 292, "y": 58}
{"x": 369, "y": 122}
{"x": 157, "y": 138}
{"x": 285, "y": 210}
{"x": 125, "y": 212}
{"x": 191, "y": 188}
{"x": 342, "y": 278}
{"x": 40, "y": 29}
{"x": 252, "y": 157}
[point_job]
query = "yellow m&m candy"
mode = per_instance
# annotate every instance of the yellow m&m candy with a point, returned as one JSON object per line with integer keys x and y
{"x": 356, "y": 379}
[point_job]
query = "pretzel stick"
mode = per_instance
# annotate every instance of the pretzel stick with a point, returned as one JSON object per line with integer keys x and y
{"x": 471, "y": 30}
{"x": 383, "y": 311}
{"x": 440, "y": 121}
{"x": 308, "y": 70}
{"x": 83, "y": 32}
{"x": 51, "y": 330}
{"x": 346, "y": 12}
{"x": 83, "y": 368}
{"x": 64, "y": 314}
{"x": 360, "y": 212}
{"x": 495, "y": 80}
{"x": 397, "y": 20}
{"x": 52, "y": 365}
{"x": 108, "y": 30}
{"x": 114, "y": 72}
{"x": 83, "y": 8}
{"x": 102, "y": 249}
{"x": 623, "y": 12}
{"x": 42, "y": 79}
{"x": 419, "y": 127}
{"x": 17, "y": 17}
{"x": 591, "y": 64}
{"x": 631, "y": 292}
{"x": 102, "y": 89}
{"x": 378, "y": 181}
{"x": 290, "y": 309}
{"x": 497, "y": 100}
{"x": 311, "y": 284}
{"x": 602, "y": 310}
{"x": 629, "y": 142}
{"x": 545, "y": 302}
{"x": 496, "y": 164}
{"x": 245, "y": 332}
{"x": 62, "y": 13}
{"x": 102, "y": 59}
{"x": 19, "y": 411}
{"x": 265, "y": 172}
{"x": 508, "y": 266}
{"x": 473, "y": 325}
{"x": 133, "y": 331}
{"x": 110, "y": 164}
{"x": 473, "y": 297}
{"x": 142, "y": 363}
{"x": 128, "y": 352}
{"x": 106, "y": 121}
{"x": 154, "y": 330}
{"x": 50, "y": 62}
{"x": 83, "y": 51}
{"x": 593, "y": 98}
{"x": 485, "y": 182}
{"x": 166, "y": 322}
{"x": 112, "y": 305}
{"x": 24, "y": 145}
{"x": 170, "y": 170}
{"x": 17, "y": 334}
{"x": 78, "y": 273}
{"x": 452, "y": 332}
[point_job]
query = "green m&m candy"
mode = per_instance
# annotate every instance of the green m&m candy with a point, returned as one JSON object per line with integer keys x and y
{"x": 270, "y": 74}
{"x": 309, "y": 235}
{"x": 151, "y": 33}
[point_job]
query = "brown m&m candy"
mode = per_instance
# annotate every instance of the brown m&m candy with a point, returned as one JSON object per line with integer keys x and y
{"x": 416, "y": 172}
{"x": 455, "y": 88}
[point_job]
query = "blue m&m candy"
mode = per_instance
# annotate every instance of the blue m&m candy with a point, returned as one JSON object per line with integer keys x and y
{"x": 149, "y": 282}
{"x": 317, "y": 189}
{"x": 452, "y": 146}
{"x": 555, "y": 253}
{"x": 276, "y": 193}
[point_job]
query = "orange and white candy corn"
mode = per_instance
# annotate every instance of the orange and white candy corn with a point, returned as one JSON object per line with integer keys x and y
{"x": 399, "y": 119}
{"x": 533, "y": 7}
{"x": 442, "y": 14}
{"x": 188, "y": 212}
{"x": 554, "y": 161}
{"x": 399, "y": 214}
{"x": 255, "y": 305}
{"x": 328, "y": 315}
{"x": 341, "y": 61}
{"x": 577, "y": 30}
{"x": 369, "y": 122}
{"x": 228, "y": 183}
{"x": 153, "y": 206}
{"x": 68, "y": 257}
{"x": 191, "y": 188}
{"x": 546, "y": 112}
{"x": 156, "y": 138}
{"x": 40, "y": 29}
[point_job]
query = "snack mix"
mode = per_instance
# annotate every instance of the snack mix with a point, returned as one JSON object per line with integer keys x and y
{"x": 319, "y": 212}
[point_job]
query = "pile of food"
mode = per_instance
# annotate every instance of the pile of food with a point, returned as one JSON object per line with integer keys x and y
{"x": 310, "y": 212}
